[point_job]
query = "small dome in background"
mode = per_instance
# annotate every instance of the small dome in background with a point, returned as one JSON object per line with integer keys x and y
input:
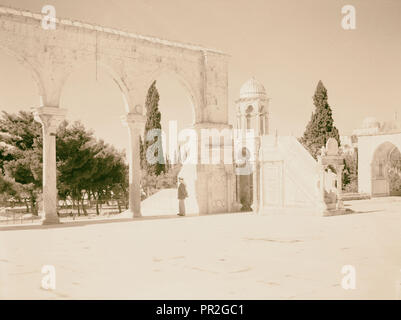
{"x": 252, "y": 88}
{"x": 370, "y": 122}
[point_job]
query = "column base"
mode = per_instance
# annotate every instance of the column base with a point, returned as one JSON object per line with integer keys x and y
{"x": 130, "y": 214}
{"x": 255, "y": 209}
{"x": 340, "y": 204}
{"x": 335, "y": 212}
{"x": 51, "y": 220}
{"x": 136, "y": 215}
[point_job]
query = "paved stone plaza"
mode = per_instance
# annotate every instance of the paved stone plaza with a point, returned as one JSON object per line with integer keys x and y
{"x": 226, "y": 256}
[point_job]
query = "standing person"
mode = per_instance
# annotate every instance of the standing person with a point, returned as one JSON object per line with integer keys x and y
{"x": 182, "y": 194}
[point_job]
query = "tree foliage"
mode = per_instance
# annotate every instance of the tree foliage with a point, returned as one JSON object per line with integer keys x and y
{"x": 321, "y": 126}
{"x": 153, "y": 146}
{"x": 87, "y": 168}
{"x": 21, "y": 156}
{"x": 350, "y": 172}
{"x": 394, "y": 173}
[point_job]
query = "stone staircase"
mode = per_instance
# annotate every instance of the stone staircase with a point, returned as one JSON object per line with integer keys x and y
{"x": 302, "y": 167}
{"x": 299, "y": 183}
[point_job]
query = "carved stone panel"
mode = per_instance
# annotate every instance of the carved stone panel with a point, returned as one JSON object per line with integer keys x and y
{"x": 272, "y": 184}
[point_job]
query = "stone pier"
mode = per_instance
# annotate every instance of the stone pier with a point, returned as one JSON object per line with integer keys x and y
{"x": 50, "y": 118}
{"x": 136, "y": 126}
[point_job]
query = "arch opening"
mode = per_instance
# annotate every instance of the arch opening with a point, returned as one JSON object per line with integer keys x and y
{"x": 177, "y": 115}
{"x": 173, "y": 83}
{"x": 386, "y": 170}
{"x": 93, "y": 95}
{"x": 177, "y": 109}
{"x": 20, "y": 86}
{"x": 20, "y": 168}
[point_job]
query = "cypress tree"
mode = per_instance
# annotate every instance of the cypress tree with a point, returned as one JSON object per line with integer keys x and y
{"x": 153, "y": 146}
{"x": 321, "y": 125}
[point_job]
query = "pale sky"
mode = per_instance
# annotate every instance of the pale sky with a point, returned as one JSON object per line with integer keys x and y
{"x": 288, "y": 45}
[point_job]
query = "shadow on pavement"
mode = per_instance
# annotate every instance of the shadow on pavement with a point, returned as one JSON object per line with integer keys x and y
{"x": 81, "y": 223}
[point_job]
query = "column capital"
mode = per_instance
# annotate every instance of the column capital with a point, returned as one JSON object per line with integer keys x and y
{"x": 134, "y": 120}
{"x": 340, "y": 167}
{"x": 50, "y": 117}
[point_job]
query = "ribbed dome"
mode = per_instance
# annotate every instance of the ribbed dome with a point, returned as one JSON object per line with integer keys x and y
{"x": 252, "y": 88}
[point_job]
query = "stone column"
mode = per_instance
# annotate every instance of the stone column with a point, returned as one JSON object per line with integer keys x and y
{"x": 340, "y": 204}
{"x": 256, "y": 188}
{"x": 237, "y": 194}
{"x": 136, "y": 126}
{"x": 322, "y": 207}
{"x": 50, "y": 118}
{"x": 255, "y": 176}
{"x": 230, "y": 192}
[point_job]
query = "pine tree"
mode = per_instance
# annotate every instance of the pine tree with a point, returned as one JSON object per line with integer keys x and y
{"x": 142, "y": 153}
{"x": 153, "y": 146}
{"x": 321, "y": 126}
{"x": 85, "y": 166}
{"x": 168, "y": 164}
{"x": 21, "y": 155}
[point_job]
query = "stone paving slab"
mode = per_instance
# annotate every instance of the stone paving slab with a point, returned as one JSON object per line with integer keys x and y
{"x": 229, "y": 256}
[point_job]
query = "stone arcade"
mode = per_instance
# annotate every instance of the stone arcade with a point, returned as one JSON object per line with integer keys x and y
{"x": 133, "y": 61}
{"x": 283, "y": 174}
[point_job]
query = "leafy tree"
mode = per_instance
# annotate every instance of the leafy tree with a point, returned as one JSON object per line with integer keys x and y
{"x": 394, "y": 173}
{"x": 20, "y": 130}
{"x": 7, "y": 186}
{"x": 120, "y": 189}
{"x": 142, "y": 154}
{"x": 21, "y": 155}
{"x": 154, "y": 145}
{"x": 350, "y": 172}
{"x": 5, "y": 155}
{"x": 168, "y": 164}
{"x": 321, "y": 126}
{"x": 75, "y": 162}
{"x": 110, "y": 174}
{"x": 87, "y": 168}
